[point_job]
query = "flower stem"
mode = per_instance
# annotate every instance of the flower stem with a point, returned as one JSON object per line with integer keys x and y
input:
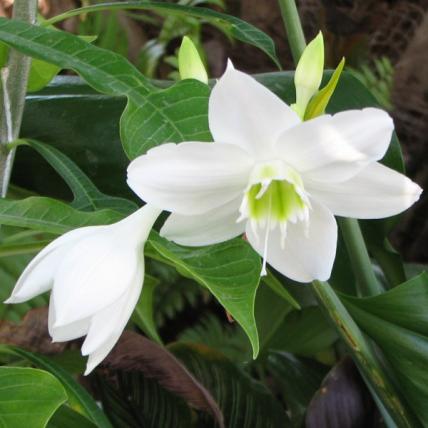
{"x": 368, "y": 285}
{"x": 14, "y": 86}
{"x": 363, "y": 354}
{"x": 293, "y": 27}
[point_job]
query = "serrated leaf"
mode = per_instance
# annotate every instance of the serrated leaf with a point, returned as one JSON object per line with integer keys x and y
{"x": 28, "y": 395}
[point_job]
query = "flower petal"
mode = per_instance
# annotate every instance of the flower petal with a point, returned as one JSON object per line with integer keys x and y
{"x": 210, "y": 228}
{"x": 190, "y": 178}
{"x": 107, "y": 325}
{"x": 306, "y": 254}
{"x": 95, "y": 273}
{"x": 67, "y": 332}
{"x": 37, "y": 277}
{"x": 245, "y": 113}
{"x": 335, "y": 148}
{"x": 376, "y": 192}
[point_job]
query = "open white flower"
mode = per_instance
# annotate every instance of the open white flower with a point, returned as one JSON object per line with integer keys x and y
{"x": 273, "y": 177}
{"x": 96, "y": 274}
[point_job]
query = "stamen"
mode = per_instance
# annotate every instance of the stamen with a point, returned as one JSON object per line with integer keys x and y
{"x": 267, "y": 233}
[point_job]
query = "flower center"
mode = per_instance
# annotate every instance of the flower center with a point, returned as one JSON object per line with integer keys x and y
{"x": 274, "y": 196}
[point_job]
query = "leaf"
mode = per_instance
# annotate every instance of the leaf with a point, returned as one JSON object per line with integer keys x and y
{"x": 41, "y": 73}
{"x": 343, "y": 401}
{"x": 28, "y": 393}
{"x": 134, "y": 352}
{"x": 143, "y": 312}
{"x": 298, "y": 379}
{"x": 151, "y": 117}
{"x": 237, "y": 28}
{"x": 230, "y": 270}
{"x": 245, "y": 402}
{"x": 272, "y": 282}
{"x": 86, "y": 195}
{"x": 304, "y": 333}
{"x": 78, "y": 398}
{"x": 65, "y": 417}
{"x": 50, "y": 215}
{"x": 403, "y": 341}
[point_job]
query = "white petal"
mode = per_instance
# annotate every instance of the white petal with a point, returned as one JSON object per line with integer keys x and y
{"x": 335, "y": 148}
{"x": 306, "y": 254}
{"x": 68, "y": 332}
{"x": 96, "y": 272}
{"x": 245, "y": 113}
{"x": 212, "y": 227}
{"x": 37, "y": 277}
{"x": 107, "y": 325}
{"x": 376, "y": 192}
{"x": 190, "y": 178}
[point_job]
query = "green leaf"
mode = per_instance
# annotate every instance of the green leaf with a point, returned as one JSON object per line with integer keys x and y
{"x": 78, "y": 398}
{"x": 41, "y": 73}
{"x": 304, "y": 332}
{"x": 28, "y": 396}
{"x": 397, "y": 322}
{"x": 87, "y": 197}
{"x": 237, "y": 28}
{"x": 244, "y": 402}
{"x": 50, "y": 215}
{"x": 65, "y": 417}
{"x": 152, "y": 116}
{"x": 143, "y": 312}
{"x": 230, "y": 270}
{"x": 272, "y": 282}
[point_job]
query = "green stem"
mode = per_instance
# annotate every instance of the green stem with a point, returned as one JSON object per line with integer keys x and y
{"x": 362, "y": 354}
{"x": 293, "y": 27}
{"x": 368, "y": 284}
{"x": 14, "y": 87}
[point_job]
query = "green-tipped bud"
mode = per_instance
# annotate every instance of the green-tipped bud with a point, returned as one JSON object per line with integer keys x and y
{"x": 190, "y": 64}
{"x": 309, "y": 71}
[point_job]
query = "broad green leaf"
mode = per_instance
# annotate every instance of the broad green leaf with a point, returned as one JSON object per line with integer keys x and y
{"x": 77, "y": 397}
{"x": 86, "y": 195}
{"x": 151, "y": 117}
{"x": 237, "y": 28}
{"x": 272, "y": 282}
{"x": 398, "y": 322}
{"x": 28, "y": 396}
{"x": 231, "y": 271}
{"x": 143, "y": 312}
{"x": 50, "y": 215}
{"x": 244, "y": 402}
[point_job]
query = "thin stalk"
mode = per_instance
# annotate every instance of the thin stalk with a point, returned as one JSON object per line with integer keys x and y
{"x": 14, "y": 86}
{"x": 368, "y": 285}
{"x": 363, "y": 354}
{"x": 293, "y": 28}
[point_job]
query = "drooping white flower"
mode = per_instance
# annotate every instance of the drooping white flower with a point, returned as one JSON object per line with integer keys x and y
{"x": 274, "y": 177}
{"x": 96, "y": 274}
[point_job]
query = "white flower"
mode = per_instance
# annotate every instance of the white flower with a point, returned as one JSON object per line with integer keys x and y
{"x": 96, "y": 274}
{"x": 273, "y": 177}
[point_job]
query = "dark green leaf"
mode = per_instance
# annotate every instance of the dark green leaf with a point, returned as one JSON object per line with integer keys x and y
{"x": 28, "y": 396}
{"x": 237, "y": 28}
{"x": 65, "y": 417}
{"x": 298, "y": 379}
